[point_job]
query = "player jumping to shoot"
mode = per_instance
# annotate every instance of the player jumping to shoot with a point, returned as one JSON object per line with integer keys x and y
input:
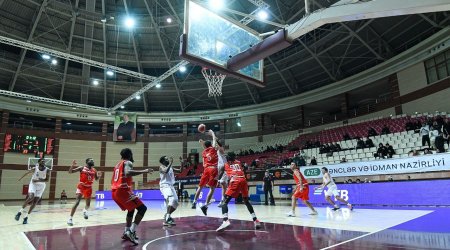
{"x": 84, "y": 188}
{"x": 36, "y": 188}
{"x": 222, "y": 159}
{"x": 210, "y": 172}
{"x": 332, "y": 190}
{"x": 301, "y": 191}
{"x": 122, "y": 194}
{"x": 167, "y": 179}
{"x": 238, "y": 185}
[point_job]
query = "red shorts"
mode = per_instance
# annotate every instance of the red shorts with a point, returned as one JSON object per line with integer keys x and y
{"x": 126, "y": 199}
{"x": 209, "y": 177}
{"x": 304, "y": 195}
{"x": 237, "y": 186}
{"x": 86, "y": 192}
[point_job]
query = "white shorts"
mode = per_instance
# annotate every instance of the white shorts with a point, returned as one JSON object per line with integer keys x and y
{"x": 332, "y": 190}
{"x": 168, "y": 190}
{"x": 224, "y": 179}
{"x": 36, "y": 189}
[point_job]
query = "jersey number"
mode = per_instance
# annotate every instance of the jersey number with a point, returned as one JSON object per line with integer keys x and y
{"x": 116, "y": 174}
{"x": 235, "y": 167}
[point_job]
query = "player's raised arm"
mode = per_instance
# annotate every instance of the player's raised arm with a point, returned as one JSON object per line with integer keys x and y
{"x": 98, "y": 174}
{"x": 27, "y": 173}
{"x": 73, "y": 168}
{"x": 130, "y": 172}
{"x": 214, "y": 138}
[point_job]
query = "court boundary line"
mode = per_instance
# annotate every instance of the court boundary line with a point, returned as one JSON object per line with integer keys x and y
{"x": 368, "y": 234}
{"x": 144, "y": 247}
{"x": 27, "y": 241}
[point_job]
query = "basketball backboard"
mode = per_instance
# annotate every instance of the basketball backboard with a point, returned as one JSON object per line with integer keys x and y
{"x": 211, "y": 39}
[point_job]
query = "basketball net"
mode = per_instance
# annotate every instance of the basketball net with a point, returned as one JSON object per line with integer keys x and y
{"x": 214, "y": 80}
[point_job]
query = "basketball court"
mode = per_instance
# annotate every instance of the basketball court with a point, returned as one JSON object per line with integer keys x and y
{"x": 363, "y": 228}
{"x": 223, "y": 47}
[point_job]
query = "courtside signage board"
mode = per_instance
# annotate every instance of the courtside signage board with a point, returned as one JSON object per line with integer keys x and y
{"x": 416, "y": 164}
{"x": 156, "y": 195}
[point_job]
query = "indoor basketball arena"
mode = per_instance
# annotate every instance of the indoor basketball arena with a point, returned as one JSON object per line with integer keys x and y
{"x": 224, "y": 124}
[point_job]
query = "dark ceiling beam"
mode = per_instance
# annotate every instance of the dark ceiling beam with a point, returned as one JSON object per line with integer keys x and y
{"x": 436, "y": 25}
{"x": 288, "y": 85}
{"x": 317, "y": 60}
{"x": 355, "y": 34}
{"x": 87, "y": 51}
{"x": 105, "y": 79}
{"x": 386, "y": 45}
{"x": 136, "y": 56}
{"x": 158, "y": 35}
{"x": 35, "y": 23}
{"x": 69, "y": 49}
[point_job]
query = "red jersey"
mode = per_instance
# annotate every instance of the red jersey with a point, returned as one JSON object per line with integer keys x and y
{"x": 87, "y": 176}
{"x": 119, "y": 180}
{"x": 210, "y": 158}
{"x": 235, "y": 169}
{"x": 304, "y": 182}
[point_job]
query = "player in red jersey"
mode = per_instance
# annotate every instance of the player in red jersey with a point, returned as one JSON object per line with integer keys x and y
{"x": 210, "y": 172}
{"x": 84, "y": 189}
{"x": 123, "y": 195}
{"x": 301, "y": 191}
{"x": 238, "y": 185}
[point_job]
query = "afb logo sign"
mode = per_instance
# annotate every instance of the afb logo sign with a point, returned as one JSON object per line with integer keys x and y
{"x": 343, "y": 193}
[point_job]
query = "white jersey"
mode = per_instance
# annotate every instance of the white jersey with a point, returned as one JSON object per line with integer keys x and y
{"x": 167, "y": 178}
{"x": 221, "y": 159}
{"x": 38, "y": 174}
{"x": 331, "y": 184}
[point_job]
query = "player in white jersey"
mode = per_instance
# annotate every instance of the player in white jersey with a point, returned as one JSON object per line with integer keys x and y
{"x": 222, "y": 159}
{"x": 167, "y": 180}
{"x": 331, "y": 190}
{"x": 36, "y": 188}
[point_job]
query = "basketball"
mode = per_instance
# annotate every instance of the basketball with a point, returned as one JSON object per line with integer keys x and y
{"x": 201, "y": 128}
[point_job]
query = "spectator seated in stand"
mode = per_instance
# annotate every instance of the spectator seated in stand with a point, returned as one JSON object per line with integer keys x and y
{"x": 427, "y": 151}
{"x": 413, "y": 153}
{"x": 337, "y": 147}
{"x": 385, "y": 130}
{"x": 381, "y": 151}
{"x": 389, "y": 150}
{"x": 358, "y": 180}
{"x": 360, "y": 144}
{"x": 409, "y": 125}
{"x": 301, "y": 162}
{"x": 371, "y": 132}
{"x": 439, "y": 143}
{"x": 369, "y": 143}
{"x": 347, "y": 137}
{"x": 343, "y": 160}
{"x": 313, "y": 161}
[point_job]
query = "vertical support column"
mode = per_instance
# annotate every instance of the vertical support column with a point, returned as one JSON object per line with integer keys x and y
{"x": 146, "y": 150}
{"x": 3, "y": 127}
{"x": 101, "y": 181}
{"x": 301, "y": 112}
{"x": 345, "y": 105}
{"x": 395, "y": 90}
{"x": 260, "y": 120}
{"x": 54, "y": 174}
{"x": 185, "y": 135}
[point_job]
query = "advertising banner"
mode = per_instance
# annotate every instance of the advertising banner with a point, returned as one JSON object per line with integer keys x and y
{"x": 125, "y": 127}
{"x": 425, "y": 163}
{"x": 401, "y": 193}
{"x": 156, "y": 195}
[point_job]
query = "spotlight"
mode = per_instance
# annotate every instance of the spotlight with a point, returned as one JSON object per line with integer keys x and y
{"x": 54, "y": 62}
{"x": 158, "y": 85}
{"x": 110, "y": 73}
{"x": 138, "y": 97}
{"x": 68, "y": 123}
{"x": 46, "y": 57}
{"x": 89, "y": 123}
{"x": 239, "y": 124}
{"x": 169, "y": 20}
{"x": 122, "y": 107}
{"x": 95, "y": 82}
{"x": 262, "y": 14}
{"x": 183, "y": 69}
{"x": 28, "y": 100}
{"x": 129, "y": 22}
{"x": 103, "y": 20}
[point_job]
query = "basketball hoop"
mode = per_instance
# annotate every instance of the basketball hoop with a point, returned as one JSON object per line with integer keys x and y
{"x": 214, "y": 80}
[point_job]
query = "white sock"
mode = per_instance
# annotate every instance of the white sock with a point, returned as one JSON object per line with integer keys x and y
{"x": 133, "y": 227}
{"x": 84, "y": 210}
{"x": 348, "y": 204}
{"x": 25, "y": 214}
{"x": 127, "y": 229}
{"x": 336, "y": 206}
{"x": 71, "y": 217}
{"x": 225, "y": 215}
{"x": 195, "y": 201}
{"x": 21, "y": 210}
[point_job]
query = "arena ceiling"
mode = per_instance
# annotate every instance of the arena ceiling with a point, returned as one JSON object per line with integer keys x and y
{"x": 94, "y": 29}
